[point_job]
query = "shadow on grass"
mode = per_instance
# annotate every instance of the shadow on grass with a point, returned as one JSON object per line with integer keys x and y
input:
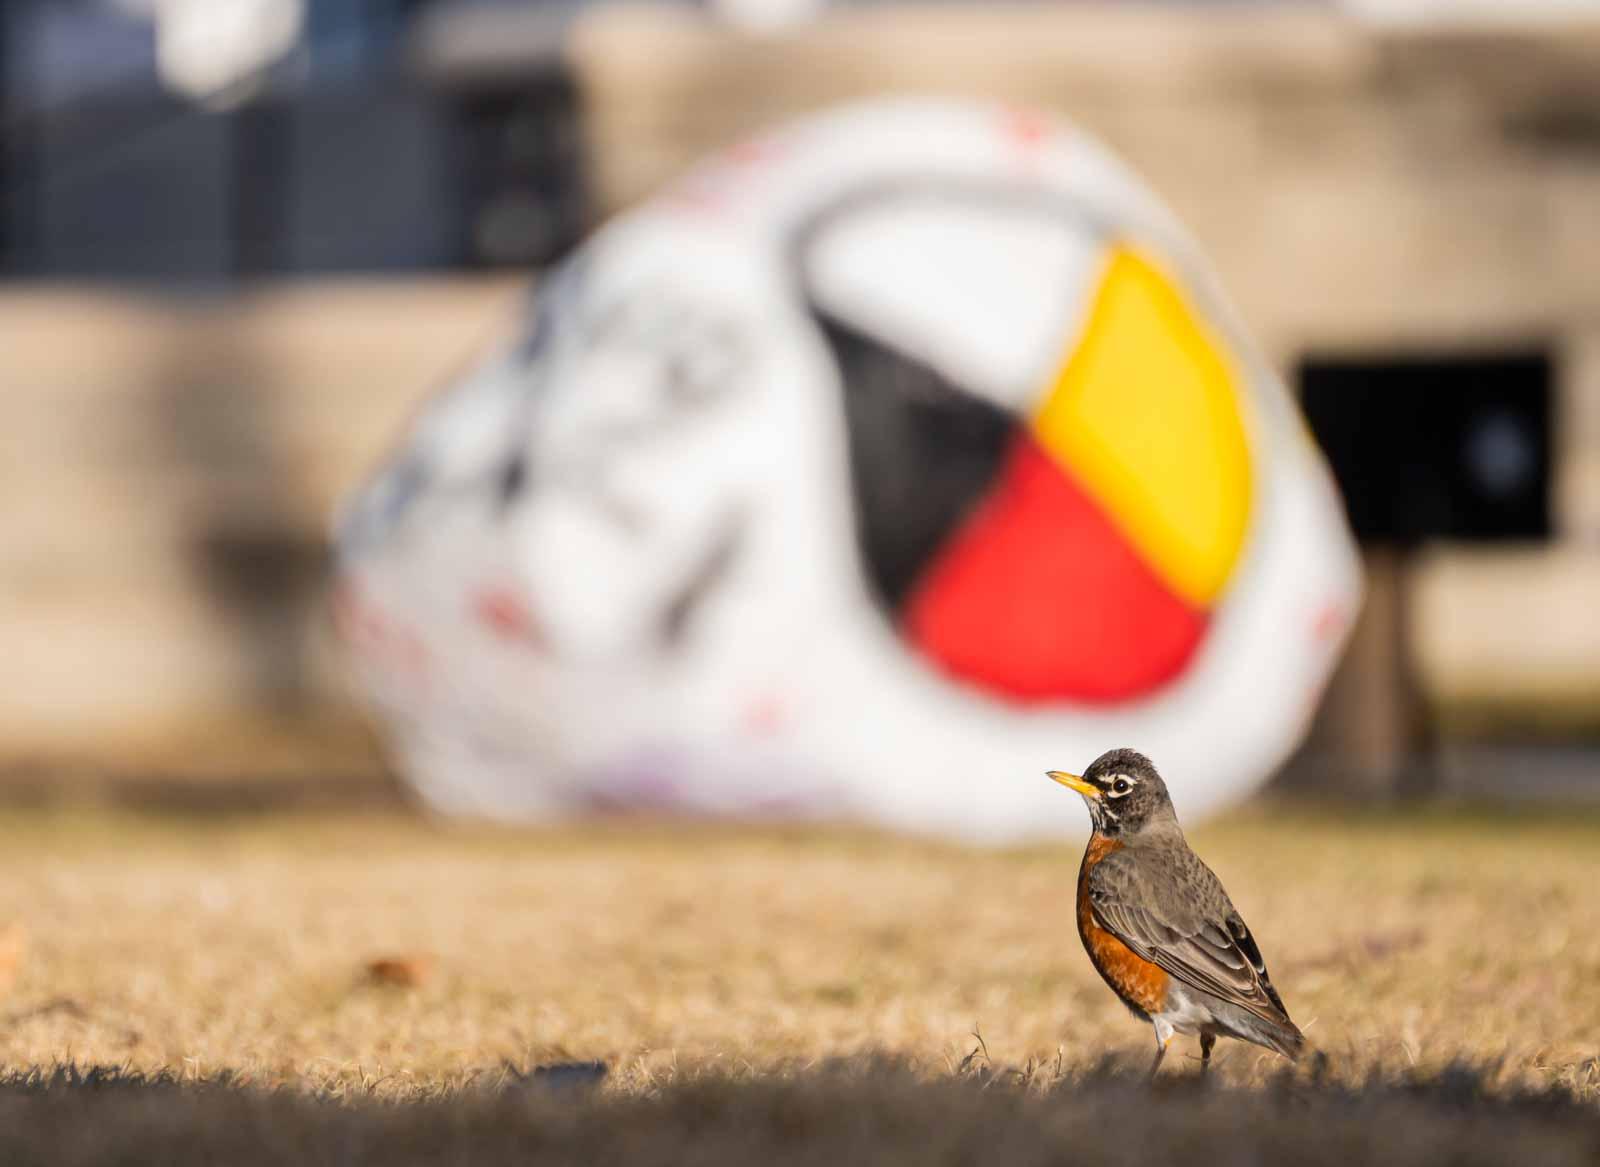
{"x": 859, "y": 1111}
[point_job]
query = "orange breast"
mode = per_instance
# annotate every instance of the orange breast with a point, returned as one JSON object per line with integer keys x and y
{"x": 1139, "y": 983}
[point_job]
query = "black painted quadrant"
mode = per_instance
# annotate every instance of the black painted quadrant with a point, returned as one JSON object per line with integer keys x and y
{"x": 923, "y": 452}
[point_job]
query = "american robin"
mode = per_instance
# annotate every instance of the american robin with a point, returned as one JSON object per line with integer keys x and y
{"x": 1158, "y": 926}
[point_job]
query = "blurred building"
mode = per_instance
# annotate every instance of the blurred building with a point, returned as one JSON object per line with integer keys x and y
{"x": 174, "y": 141}
{"x": 1402, "y": 195}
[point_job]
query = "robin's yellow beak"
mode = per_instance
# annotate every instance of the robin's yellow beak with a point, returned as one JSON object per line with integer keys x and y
{"x": 1073, "y": 782}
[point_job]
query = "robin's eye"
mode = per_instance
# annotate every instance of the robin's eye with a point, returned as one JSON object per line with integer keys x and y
{"x": 1121, "y": 786}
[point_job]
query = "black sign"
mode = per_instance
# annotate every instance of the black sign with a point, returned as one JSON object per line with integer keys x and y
{"x": 1436, "y": 447}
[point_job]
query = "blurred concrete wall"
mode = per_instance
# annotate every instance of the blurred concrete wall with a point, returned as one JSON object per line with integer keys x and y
{"x": 169, "y": 470}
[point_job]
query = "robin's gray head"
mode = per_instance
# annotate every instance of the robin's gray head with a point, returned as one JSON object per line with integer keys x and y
{"x": 1124, "y": 792}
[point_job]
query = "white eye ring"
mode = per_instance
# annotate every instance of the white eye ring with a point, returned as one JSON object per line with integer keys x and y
{"x": 1121, "y": 786}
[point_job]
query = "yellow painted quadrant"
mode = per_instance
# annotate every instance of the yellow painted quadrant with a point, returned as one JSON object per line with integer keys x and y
{"x": 1145, "y": 415}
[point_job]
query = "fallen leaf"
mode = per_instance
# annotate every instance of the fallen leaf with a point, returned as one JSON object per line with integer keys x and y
{"x": 13, "y": 947}
{"x": 1350, "y": 954}
{"x": 400, "y": 972}
{"x": 54, "y": 1007}
{"x": 561, "y": 1075}
{"x": 1381, "y": 944}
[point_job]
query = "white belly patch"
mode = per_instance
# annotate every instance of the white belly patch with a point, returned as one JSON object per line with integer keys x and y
{"x": 1183, "y": 1014}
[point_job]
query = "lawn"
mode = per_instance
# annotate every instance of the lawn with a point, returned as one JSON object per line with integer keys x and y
{"x": 386, "y": 958}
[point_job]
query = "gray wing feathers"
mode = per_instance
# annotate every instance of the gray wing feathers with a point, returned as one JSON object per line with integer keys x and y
{"x": 1176, "y": 915}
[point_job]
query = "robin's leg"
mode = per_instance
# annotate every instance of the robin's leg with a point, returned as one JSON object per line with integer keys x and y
{"x": 1164, "y": 1032}
{"x": 1207, "y": 1040}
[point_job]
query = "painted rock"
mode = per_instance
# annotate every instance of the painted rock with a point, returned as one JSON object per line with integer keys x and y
{"x": 870, "y": 470}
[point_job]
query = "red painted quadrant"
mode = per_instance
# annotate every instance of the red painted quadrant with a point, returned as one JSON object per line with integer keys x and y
{"x": 1037, "y": 596}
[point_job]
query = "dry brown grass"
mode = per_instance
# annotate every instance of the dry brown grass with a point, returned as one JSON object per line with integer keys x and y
{"x": 242, "y": 945}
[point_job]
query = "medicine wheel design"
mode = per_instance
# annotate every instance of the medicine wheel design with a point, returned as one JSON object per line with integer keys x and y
{"x": 1075, "y": 549}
